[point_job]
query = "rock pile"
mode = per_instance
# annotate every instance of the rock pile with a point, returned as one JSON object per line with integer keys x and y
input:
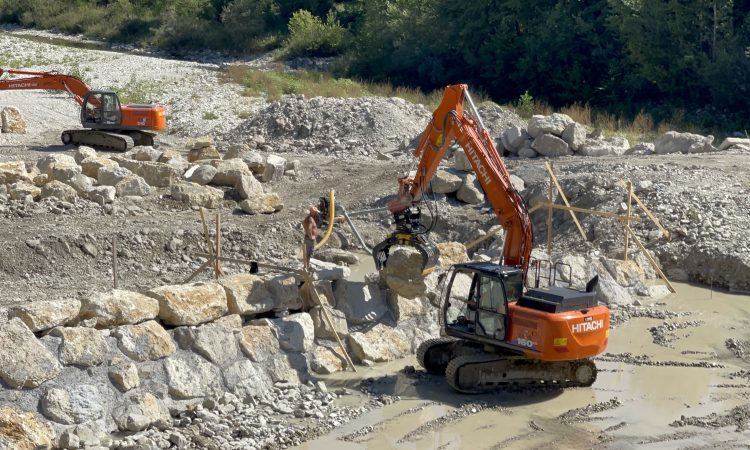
{"x": 101, "y": 178}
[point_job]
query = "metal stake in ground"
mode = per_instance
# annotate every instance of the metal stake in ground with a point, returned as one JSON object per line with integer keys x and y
{"x": 114, "y": 262}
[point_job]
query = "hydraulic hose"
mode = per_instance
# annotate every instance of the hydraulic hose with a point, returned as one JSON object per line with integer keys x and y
{"x": 331, "y": 217}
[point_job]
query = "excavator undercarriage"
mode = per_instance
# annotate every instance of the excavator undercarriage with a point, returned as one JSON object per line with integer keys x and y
{"x": 472, "y": 368}
{"x": 106, "y": 140}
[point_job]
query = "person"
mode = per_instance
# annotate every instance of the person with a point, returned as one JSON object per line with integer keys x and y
{"x": 310, "y": 228}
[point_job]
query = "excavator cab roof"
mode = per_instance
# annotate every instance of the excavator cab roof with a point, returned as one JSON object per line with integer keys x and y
{"x": 488, "y": 268}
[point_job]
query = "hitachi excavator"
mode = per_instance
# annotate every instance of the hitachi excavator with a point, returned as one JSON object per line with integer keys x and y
{"x": 107, "y": 124}
{"x": 497, "y": 330}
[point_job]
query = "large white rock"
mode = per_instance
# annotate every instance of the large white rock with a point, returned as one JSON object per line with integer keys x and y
{"x": 268, "y": 203}
{"x": 59, "y": 167}
{"x": 216, "y": 343}
{"x": 229, "y": 171}
{"x": 119, "y": 307}
{"x": 323, "y": 329}
{"x": 92, "y": 164}
{"x": 60, "y": 191}
{"x": 14, "y": 171}
{"x": 247, "y": 294}
{"x": 379, "y": 344}
{"x": 461, "y": 161}
{"x": 553, "y": 124}
{"x": 12, "y": 120}
{"x": 81, "y": 184}
{"x": 360, "y": 302}
{"x": 202, "y": 174}
{"x": 145, "y": 341}
{"x": 470, "y": 191}
{"x": 733, "y": 142}
{"x": 132, "y": 185}
{"x": 21, "y": 189}
{"x": 190, "y": 376}
{"x": 549, "y": 145}
{"x": 273, "y": 169}
{"x": 296, "y": 332}
{"x": 249, "y": 187}
{"x": 198, "y": 196}
{"x": 44, "y": 315}
{"x": 403, "y": 272}
{"x": 575, "y": 135}
{"x": 611, "y": 293}
{"x": 155, "y": 173}
{"x": 190, "y": 304}
{"x": 617, "y": 146}
{"x": 74, "y": 404}
{"x": 245, "y": 380}
{"x": 146, "y": 153}
{"x": 514, "y": 138}
{"x": 24, "y": 361}
{"x": 673, "y": 142}
{"x": 259, "y": 342}
{"x": 102, "y": 194}
{"x": 83, "y": 152}
{"x": 81, "y": 346}
{"x": 328, "y": 271}
{"x": 111, "y": 175}
{"x": 285, "y": 292}
{"x": 445, "y": 182}
{"x": 140, "y": 411}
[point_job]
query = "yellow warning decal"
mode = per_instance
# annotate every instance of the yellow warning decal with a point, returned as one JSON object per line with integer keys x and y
{"x": 560, "y": 342}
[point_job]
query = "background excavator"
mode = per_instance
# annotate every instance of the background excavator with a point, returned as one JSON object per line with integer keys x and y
{"x": 107, "y": 124}
{"x": 499, "y": 332}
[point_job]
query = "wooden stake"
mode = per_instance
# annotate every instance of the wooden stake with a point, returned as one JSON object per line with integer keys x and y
{"x": 197, "y": 271}
{"x": 650, "y": 259}
{"x": 564, "y": 199}
{"x": 589, "y": 211}
{"x": 629, "y": 187}
{"x": 549, "y": 215}
{"x": 313, "y": 293}
{"x": 649, "y": 214}
{"x": 209, "y": 244}
{"x": 494, "y": 231}
{"x": 219, "y": 271}
{"x": 114, "y": 262}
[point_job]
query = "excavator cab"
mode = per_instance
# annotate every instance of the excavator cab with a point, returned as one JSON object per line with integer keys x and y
{"x": 101, "y": 110}
{"x": 476, "y": 300}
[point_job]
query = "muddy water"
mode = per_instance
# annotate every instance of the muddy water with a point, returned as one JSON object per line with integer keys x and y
{"x": 650, "y": 397}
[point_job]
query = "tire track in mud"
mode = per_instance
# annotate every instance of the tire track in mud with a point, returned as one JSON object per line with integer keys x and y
{"x": 360, "y": 435}
{"x": 645, "y": 360}
{"x": 458, "y": 414}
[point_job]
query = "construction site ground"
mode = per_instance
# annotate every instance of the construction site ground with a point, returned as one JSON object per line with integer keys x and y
{"x": 688, "y": 390}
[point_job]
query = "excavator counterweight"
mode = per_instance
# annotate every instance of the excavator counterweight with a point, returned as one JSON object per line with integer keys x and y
{"x": 106, "y": 123}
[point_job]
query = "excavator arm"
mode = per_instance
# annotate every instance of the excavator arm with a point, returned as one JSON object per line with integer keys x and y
{"x": 49, "y": 81}
{"x": 450, "y": 122}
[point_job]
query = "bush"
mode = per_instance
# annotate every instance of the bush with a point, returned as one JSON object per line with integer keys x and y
{"x": 310, "y": 35}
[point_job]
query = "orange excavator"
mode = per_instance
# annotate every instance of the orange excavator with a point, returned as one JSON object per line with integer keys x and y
{"x": 107, "y": 124}
{"x": 497, "y": 330}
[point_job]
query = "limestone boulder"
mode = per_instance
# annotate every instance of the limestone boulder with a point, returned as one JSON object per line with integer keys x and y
{"x": 24, "y": 361}
{"x": 157, "y": 174}
{"x": 21, "y": 430}
{"x": 514, "y": 138}
{"x": 81, "y": 346}
{"x": 81, "y": 184}
{"x": 328, "y": 271}
{"x": 190, "y": 304}
{"x": 112, "y": 175}
{"x": 262, "y": 204}
{"x": 549, "y": 145}
{"x": 379, "y": 344}
{"x": 470, "y": 191}
{"x": 446, "y": 182}
{"x": 14, "y": 171}
{"x": 731, "y": 142}
{"x": 247, "y": 294}
{"x": 119, "y": 307}
{"x": 259, "y": 342}
{"x": 60, "y": 191}
{"x": 132, "y": 185}
{"x": 254, "y": 160}
{"x": 12, "y": 120}
{"x": 403, "y": 308}
{"x": 202, "y": 174}
{"x": 146, "y": 153}
{"x": 102, "y": 194}
{"x": 553, "y": 124}
{"x": 323, "y": 329}
{"x": 216, "y": 344}
{"x": 83, "y": 152}
{"x": 72, "y": 404}
{"x": 674, "y": 142}
{"x": 611, "y": 293}
{"x": 91, "y": 165}
{"x": 59, "y": 167}
{"x": 575, "y": 135}
{"x": 196, "y": 195}
{"x": 191, "y": 376}
{"x": 403, "y": 272}
{"x": 273, "y": 169}
{"x": 244, "y": 379}
{"x": 203, "y": 148}
{"x": 140, "y": 411}
{"x": 44, "y": 315}
{"x": 296, "y": 332}
{"x": 527, "y": 152}
{"x": 125, "y": 377}
{"x": 616, "y": 146}
{"x": 461, "y": 161}
{"x": 326, "y": 360}
{"x": 360, "y": 302}
{"x": 451, "y": 253}
{"x": 249, "y": 187}
{"x": 229, "y": 171}
{"x": 145, "y": 341}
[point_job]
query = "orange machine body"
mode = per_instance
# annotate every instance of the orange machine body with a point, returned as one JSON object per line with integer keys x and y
{"x": 144, "y": 117}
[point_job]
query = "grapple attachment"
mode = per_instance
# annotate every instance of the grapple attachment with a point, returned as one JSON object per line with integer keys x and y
{"x": 409, "y": 232}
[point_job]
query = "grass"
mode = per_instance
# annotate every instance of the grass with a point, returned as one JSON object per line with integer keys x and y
{"x": 138, "y": 91}
{"x": 210, "y": 115}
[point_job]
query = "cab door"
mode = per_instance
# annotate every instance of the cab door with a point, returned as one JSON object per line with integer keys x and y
{"x": 492, "y": 307}
{"x": 101, "y": 110}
